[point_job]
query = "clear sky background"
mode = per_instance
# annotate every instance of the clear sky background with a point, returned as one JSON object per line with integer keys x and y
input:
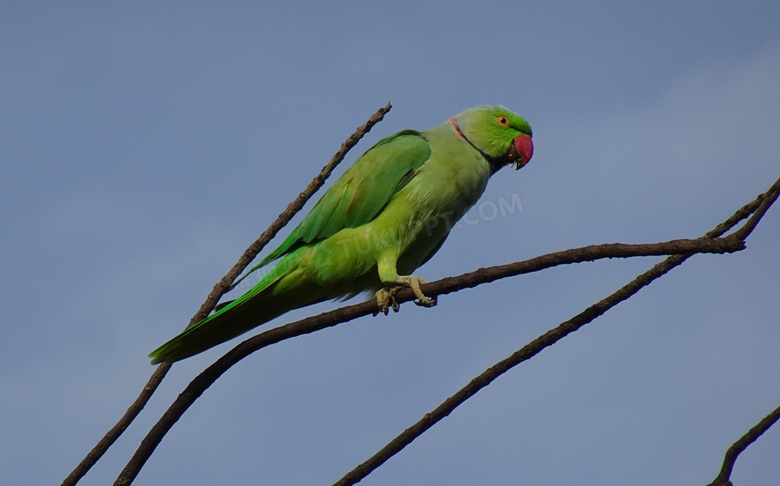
{"x": 144, "y": 145}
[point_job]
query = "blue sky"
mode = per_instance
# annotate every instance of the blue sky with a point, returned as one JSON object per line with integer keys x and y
{"x": 145, "y": 145}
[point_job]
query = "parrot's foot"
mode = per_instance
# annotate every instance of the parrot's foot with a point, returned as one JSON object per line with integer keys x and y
{"x": 414, "y": 283}
{"x": 385, "y": 298}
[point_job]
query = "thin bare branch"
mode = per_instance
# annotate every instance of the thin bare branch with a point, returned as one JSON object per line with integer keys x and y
{"x": 225, "y": 284}
{"x": 765, "y": 201}
{"x": 220, "y": 288}
{"x": 724, "y": 478}
{"x": 446, "y": 285}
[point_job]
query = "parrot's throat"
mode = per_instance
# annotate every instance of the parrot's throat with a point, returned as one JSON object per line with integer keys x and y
{"x": 495, "y": 163}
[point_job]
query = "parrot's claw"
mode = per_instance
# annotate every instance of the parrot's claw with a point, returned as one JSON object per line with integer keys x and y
{"x": 427, "y": 301}
{"x": 385, "y": 300}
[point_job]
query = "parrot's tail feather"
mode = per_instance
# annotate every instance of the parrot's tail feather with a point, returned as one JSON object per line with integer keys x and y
{"x": 278, "y": 292}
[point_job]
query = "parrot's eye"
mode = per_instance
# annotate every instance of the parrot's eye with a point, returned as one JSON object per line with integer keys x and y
{"x": 503, "y": 121}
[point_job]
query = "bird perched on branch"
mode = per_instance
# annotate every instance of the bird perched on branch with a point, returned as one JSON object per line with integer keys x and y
{"x": 384, "y": 217}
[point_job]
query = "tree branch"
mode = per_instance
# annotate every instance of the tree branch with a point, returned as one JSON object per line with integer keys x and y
{"x": 220, "y": 288}
{"x": 682, "y": 249}
{"x": 724, "y": 478}
{"x": 757, "y": 207}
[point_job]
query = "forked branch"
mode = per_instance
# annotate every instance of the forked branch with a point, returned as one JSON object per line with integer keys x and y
{"x": 757, "y": 208}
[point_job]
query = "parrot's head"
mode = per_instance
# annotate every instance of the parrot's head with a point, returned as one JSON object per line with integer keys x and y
{"x": 502, "y": 136}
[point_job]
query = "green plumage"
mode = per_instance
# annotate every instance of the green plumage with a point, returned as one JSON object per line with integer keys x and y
{"x": 383, "y": 218}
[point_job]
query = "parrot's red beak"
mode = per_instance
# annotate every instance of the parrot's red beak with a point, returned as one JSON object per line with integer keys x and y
{"x": 521, "y": 151}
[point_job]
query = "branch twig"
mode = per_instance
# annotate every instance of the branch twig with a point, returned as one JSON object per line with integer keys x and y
{"x": 740, "y": 445}
{"x": 220, "y": 288}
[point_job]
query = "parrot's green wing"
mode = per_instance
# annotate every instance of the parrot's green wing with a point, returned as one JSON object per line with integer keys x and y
{"x": 361, "y": 192}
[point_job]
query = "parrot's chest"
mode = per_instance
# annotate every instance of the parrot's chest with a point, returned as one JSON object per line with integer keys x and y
{"x": 451, "y": 182}
{"x": 439, "y": 195}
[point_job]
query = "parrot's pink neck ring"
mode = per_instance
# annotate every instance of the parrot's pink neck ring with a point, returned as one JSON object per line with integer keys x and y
{"x": 457, "y": 130}
{"x": 491, "y": 160}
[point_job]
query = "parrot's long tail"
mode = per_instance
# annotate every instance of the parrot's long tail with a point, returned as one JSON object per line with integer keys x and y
{"x": 282, "y": 289}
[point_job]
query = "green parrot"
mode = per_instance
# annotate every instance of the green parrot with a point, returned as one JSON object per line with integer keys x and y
{"x": 383, "y": 218}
